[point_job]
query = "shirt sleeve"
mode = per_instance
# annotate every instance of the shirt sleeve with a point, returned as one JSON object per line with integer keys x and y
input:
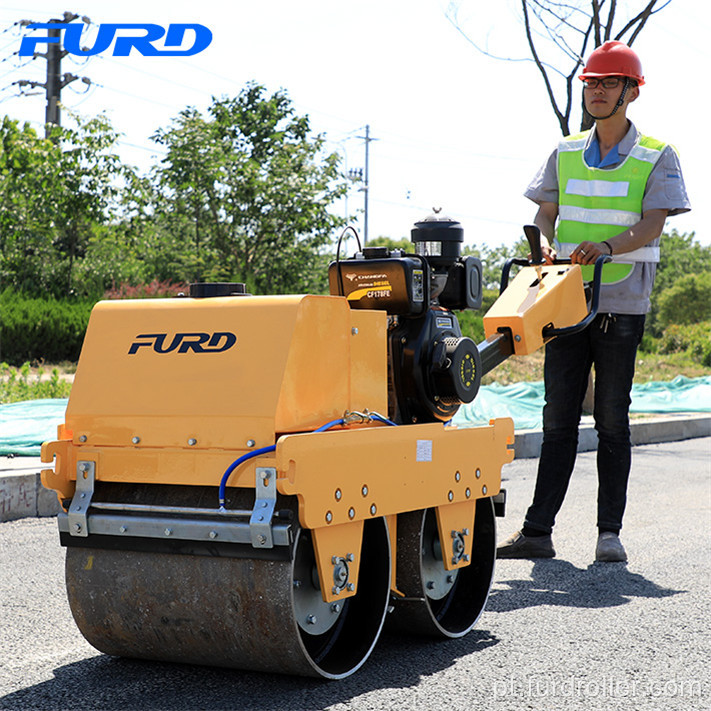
{"x": 665, "y": 186}
{"x": 544, "y": 186}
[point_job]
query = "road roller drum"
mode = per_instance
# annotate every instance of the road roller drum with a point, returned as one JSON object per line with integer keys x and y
{"x": 244, "y": 613}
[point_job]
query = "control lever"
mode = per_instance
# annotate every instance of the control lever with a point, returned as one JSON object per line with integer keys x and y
{"x": 533, "y": 235}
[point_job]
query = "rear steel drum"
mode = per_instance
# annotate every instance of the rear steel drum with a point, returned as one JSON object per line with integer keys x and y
{"x": 438, "y": 602}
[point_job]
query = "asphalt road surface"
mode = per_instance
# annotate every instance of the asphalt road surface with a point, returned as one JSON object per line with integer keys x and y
{"x": 556, "y": 634}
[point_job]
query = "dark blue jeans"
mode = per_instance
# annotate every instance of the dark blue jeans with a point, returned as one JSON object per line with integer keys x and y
{"x": 610, "y": 344}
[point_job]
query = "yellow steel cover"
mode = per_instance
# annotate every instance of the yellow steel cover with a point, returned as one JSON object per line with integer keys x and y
{"x": 369, "y": 361}
{"x": 130, "y": 387}
{"x": 532, "y": 302}
{"x": 345, "y": 476}
{"x": 215, "y": 373}
{"x": 149, "y": 465}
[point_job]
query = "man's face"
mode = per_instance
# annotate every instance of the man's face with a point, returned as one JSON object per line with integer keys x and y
{"x": 601, "y": 95}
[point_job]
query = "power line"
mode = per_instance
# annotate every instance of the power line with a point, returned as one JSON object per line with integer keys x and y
{"x": 134, "y": 96}
{"x": 393, "y": 139}
{"x": 125, "y": 66}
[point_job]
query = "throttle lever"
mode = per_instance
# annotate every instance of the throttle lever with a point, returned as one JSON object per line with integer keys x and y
{"x": 533, "y": 235}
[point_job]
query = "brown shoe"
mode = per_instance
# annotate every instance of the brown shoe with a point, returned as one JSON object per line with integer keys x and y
{"x": 520, "y": 546}
{"x": 609, "y": 548}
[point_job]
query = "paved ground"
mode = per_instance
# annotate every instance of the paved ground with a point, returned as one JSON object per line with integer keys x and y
{"x": 557, "y": 635}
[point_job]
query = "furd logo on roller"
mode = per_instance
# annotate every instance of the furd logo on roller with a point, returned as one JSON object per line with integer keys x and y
{"x": 147, "y": 39}
{"x": 217, "y": 342}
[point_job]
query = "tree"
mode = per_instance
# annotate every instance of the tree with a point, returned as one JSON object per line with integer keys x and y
{"x": 255, "y": 188}
{"x": 493, "y": 260}
{"x": 381, "y": 241}
{"x": 561, "y": 34}
{"x": 85, "y": 187}
{"x": 54, "y": 194}
{"x": 681, "y": 254}
{"x": 23, "y": 218}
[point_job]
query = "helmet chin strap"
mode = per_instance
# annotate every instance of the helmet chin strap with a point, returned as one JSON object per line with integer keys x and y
{"x": 619, "y": 103}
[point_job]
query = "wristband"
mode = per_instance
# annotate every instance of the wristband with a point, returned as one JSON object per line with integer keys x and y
{"x": 609, "y": 246}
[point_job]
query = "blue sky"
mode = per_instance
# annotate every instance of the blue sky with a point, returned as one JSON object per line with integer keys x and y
{"x": 455, "y": 129}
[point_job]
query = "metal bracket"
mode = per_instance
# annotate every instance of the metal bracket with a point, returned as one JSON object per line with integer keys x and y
{"x": 458, "y": 546}
{"x": 260, "y": 523}
{"x": 86, "y": 474}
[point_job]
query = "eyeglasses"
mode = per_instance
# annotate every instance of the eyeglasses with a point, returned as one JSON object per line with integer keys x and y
{"x": 607, "y": 82}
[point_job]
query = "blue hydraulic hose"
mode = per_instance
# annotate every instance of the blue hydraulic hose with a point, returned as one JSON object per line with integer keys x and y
{"x": 235, "y": 464}
{"x": 330, "y": 424}
{"x": 385, "y": 420}
{"x": 256, "y": 453}
{"x": 272, "y": 447}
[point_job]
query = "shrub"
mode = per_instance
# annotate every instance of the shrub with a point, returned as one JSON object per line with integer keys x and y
{"x": 687, "y": 301}
{"x": 472, "y": 325}
{"x": 692, "y": 339}
{"x": 38, "y": 330}
{"x": 156, "y": 289}
{"x": 471, "y": 322}
{"x": 649, "y": 343}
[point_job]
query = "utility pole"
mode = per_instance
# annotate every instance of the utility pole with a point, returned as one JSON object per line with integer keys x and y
{"x": 366, "y": 182}
{"x": 56, "y": 81}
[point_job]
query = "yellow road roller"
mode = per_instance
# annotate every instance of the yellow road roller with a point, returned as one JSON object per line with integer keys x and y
{"x": 264, "y": 482}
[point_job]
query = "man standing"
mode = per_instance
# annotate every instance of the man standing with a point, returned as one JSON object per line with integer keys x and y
{"x": 611, "y": 190}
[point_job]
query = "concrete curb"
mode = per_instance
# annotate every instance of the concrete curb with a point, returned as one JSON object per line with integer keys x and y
{"x": 22, "y": 494}
{"x": 644, "y": 431}
{"x": 21, "y": 491}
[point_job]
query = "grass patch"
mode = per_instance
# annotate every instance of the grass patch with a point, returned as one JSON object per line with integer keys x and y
{"x": 651, "y": 367}
{"x": 27, "y": 383}
{"x": 661, "y": 367}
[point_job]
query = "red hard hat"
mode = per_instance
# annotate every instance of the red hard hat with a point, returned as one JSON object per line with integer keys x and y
{"x": 613, "y": 59}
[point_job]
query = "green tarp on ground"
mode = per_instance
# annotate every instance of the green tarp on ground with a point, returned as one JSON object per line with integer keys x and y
{"x": 25, "y": 425}
{"x": 523, "y": 402}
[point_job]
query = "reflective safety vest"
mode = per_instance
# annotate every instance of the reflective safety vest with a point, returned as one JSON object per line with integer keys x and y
{"x": 596, "y": 203}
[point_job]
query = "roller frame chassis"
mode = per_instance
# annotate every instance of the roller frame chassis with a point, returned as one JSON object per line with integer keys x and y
{"x": 333, "y": 477}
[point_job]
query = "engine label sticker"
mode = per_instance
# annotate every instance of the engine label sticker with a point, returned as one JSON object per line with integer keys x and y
{"x": 444, "y": 322}
{"x": 424, "y": 450}
{"x": 376, "y": 289}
